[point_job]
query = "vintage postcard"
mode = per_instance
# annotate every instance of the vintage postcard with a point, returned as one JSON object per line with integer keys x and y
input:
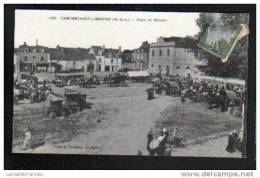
{"x": 130, "y": 83}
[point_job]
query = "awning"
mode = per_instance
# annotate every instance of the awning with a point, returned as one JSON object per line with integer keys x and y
{"x": 69, "y": 74}
{"x": 138, "y": 74}
{"x": 224, "y": 80}
{"x": 54, "y": 98}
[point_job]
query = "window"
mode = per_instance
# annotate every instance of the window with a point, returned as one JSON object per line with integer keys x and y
{"x": 153, "y": 52}
{"x": 168, "y": 52}
{"x": 159, "y": 67}
{"x": 42, "y": 58}
{"x": 25, "y": 58}
{"x": 90, "y": 67}
{"x": 34, "y": 57}
{"x": 187, "y": 67}
{"x": 99, "y": 59}
{"x": 160, "y": 52}
{"x": 152, "y": 65}
{"x": 112, "y": 60}
{"x": 74, "y": 62}
{"x": 178, "y": 67}
{"x": 107, "y": 68}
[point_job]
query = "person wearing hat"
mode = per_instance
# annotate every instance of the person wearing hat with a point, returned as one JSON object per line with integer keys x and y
{"x": 231, "y": 146}
{"x": 223, "y": 99}
{"x": 165, "y": 133}
{"x": 161, "y": 148}
{"x": 163, "y": 139}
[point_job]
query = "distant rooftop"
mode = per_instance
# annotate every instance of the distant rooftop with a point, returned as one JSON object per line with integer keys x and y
{"x": 58, "y": 53}
{"x": 179, "y": 42}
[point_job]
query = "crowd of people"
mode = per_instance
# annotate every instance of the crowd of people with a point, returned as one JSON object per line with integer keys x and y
{"x": 227, "y": 97}
{"x": 162, "y": 145}
{"x": 30, "y": 90}
{"x": 235, "y": 141}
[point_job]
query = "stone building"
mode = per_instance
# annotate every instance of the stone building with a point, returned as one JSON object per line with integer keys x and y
{"x": 108, "y": 59}
{"x": 141, "y": 57}
{"x": 33, "y": 58}
{"x": 16, "y": 64}
{"x": 73, "y": 59}
{"x": 173, "y": 56}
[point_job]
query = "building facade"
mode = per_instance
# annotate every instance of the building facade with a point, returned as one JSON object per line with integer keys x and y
{"x": 16, "y": 64}
{"x": 172, "y": 56}
{"x": 33, "y": 58}
{"x": 140, "y": 57}
{"x": 73, "y": 59}
{"x": 84, "y": 65}
{"x": 108, "y": 59}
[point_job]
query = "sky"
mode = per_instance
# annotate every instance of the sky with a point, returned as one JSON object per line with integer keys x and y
{"x": 51, "y": 28}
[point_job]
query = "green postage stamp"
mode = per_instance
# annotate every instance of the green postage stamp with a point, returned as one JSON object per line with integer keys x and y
{"x": 221, "y": 41}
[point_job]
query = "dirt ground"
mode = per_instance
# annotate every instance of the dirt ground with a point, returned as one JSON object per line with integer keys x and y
{"x": 127, "y": 116}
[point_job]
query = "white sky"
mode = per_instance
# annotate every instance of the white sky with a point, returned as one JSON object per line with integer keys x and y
{"x": 36, "y": 24}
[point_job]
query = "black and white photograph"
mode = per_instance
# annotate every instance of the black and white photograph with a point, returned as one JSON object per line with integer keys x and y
{"x": 130, "y": 87}
{"x": 130, "y": 83}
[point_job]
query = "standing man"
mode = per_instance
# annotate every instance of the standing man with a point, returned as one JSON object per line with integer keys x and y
{"x": 27, "y": 139}
{"x": 149, "y": 139}
{"x": 223, "y": 99}
{"x": 176, "y": 138}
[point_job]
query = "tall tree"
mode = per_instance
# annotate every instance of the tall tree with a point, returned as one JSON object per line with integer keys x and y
{"x": 236, "y": 65}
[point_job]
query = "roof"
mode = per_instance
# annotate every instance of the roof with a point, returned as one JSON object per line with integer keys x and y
{"x": 52, "y": 97}
{"x": 38, "y": 48}
{"x": 109, "y": 52}
{"x": 58, "y": 53}
{"x": 70, "y": 74}
{"x": 181, "y": 42}
{"x": 96, "y": 49}
{"x": 70, "y": 54}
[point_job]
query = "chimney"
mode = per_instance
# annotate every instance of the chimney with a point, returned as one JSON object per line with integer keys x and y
{"x": 36, "y": 42}
{"x": 103, "y": 49}
{"x": 24, "y": 43}
{"x": 119, "y": 48}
